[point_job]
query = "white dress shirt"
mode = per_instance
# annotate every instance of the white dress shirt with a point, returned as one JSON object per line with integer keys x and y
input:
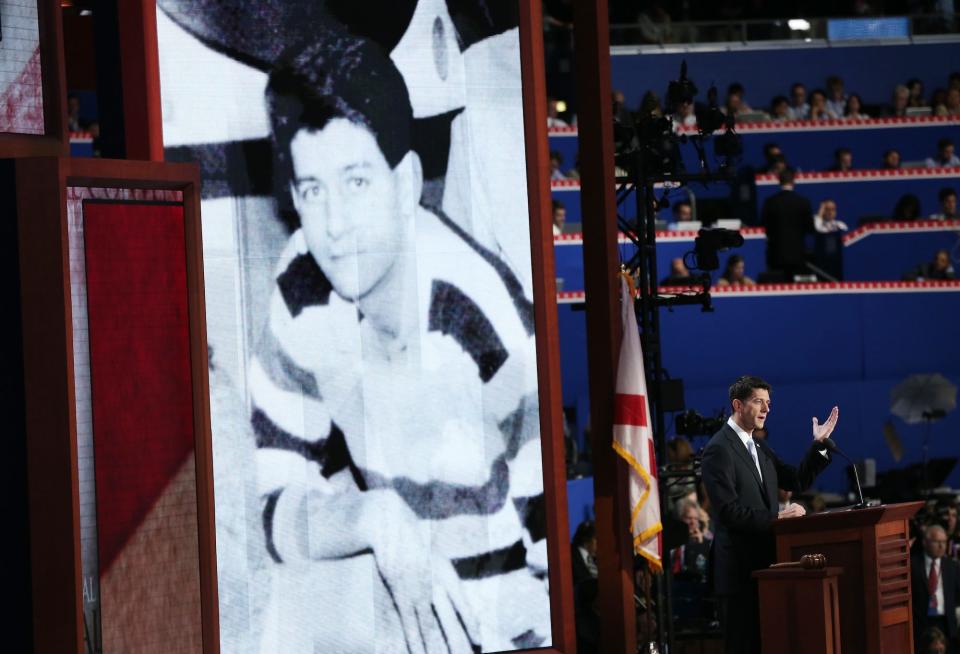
{"x": 927, "y": 562}
{"x": 745, "y": 438}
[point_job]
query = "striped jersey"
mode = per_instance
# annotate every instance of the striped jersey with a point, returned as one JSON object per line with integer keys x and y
{"x": 448, "y": 419}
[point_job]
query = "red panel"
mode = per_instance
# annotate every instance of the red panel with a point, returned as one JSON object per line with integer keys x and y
{"x": 139, "y": 360}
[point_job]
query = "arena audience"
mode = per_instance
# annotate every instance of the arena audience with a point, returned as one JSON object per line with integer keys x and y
{"x": 853, "y": 109}
{"x": 799, "y": 107}
{"x": 780, "y": 109}
{"x": 682, "y": 211}
{"x": 915, "y": 87}
{"x": 559, "y": 217}
{"x": 842, "y": 160}
{"x": 836, "y": 97}
{"x": 898, "y": 102}
{"x": 690, "y": 559}
{"x": 948, "y": 205}
{"x": 818, "y": 106}
{"x": 891, "y": 160}
{"x": 945, "y": 157}
{"x": 932, "y": 641}
{"x": 907, "y": 208}
{"x": 950, "y": 105}
{"x": 825, "y": 220}
{"x": 938, "y": 269}
{"x": 556, "y": 162}
{"x": 734, "y": 273}
{"x": 935, "y": 582}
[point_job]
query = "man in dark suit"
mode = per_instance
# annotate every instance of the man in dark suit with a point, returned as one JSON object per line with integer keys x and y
{"x": 935, "y": 579}
{"x": 787, "y": 218}
{"x": 741, "y": 477}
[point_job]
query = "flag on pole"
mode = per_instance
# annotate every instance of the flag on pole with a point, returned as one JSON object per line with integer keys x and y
{"x": 633, "y": 438}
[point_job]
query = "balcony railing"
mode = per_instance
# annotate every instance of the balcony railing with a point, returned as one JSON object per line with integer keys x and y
{"x": 799, "y": 31}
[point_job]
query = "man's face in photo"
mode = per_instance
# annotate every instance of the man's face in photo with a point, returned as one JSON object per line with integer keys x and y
{"x": 347, "y": 197}
{"x": 754, "y": 410}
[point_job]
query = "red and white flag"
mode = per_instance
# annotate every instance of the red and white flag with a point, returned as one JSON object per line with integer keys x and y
{"x": 633, "y": 439}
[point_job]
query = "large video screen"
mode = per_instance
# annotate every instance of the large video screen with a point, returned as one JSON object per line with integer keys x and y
{"x": 21, "y": 87}
{"x": 373, "y": 378}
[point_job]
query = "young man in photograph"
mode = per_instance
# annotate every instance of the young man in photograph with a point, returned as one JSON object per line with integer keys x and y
{"x": 394, "y": 390}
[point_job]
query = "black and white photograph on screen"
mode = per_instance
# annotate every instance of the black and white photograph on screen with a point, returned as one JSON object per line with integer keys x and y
{"x": 374, "y": 396}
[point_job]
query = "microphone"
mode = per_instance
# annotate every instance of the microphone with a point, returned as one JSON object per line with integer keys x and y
{"x": 831, "y": 445}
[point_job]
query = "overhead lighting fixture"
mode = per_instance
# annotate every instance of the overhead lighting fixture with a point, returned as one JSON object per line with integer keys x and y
{"x": 799, "y": 24}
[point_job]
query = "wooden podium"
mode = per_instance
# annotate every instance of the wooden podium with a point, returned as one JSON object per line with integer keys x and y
{"x": 786, "y": 593}
{"x": 871, "y": 545}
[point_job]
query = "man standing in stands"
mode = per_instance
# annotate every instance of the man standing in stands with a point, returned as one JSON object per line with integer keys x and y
{"x": 788, "y": 218}
{"x": 393, "y": 391}
{"x": 741, "y": 476}
{"x": 936, "y": 587}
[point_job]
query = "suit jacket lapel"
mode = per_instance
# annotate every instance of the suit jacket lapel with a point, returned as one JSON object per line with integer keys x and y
{"x": 739, "y": 448}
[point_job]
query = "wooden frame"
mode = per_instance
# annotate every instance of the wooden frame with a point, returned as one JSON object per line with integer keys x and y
{"x": 50, "y": 409}
{"x": 144, "y": 134}
{"x": 55, "y": 140}
{"x": 547, "y": 333}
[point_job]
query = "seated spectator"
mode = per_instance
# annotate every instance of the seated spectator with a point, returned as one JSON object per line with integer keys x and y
{"x": 771, "y": 152}
{"x": 584, "y": 552}
{"x": 951, "y": 104}
{"x": 620, "y": 112}
{"x": 73, "y": 113}
{"x": 891, "y": 160}
{"x": 690, "y": 559}
{"x": 559, "y": 217}
{"x": 898, "y": 102}
{"x": 553, "y": 114}
{"x": 947, "y": 514}
{"x": 736, "y": 104}
{"x": 842, "y": 160}
{"x": 938, "y": 269}
{"x": 948, "y": 205}
{"x": 685, "y": 115}
{"x": 799, "y": 108}
{"x": 946, "y": 158}
{"x": 853, "y": 109}
{"x": 836, "y": 98}
{"x": 915, "y": 87}
{"x": 682, "y": 211}
{"x": 932, "y": 641}
{"x": 556, "y": 161}
{"x": 825, "y": 220}
{"x": 679, "y": 275}
{"x": 788, "y": 218}
{"x": 938, "y": 100}
{"x": 734, "y": 273}
{"x": 650, "y": 106}
{"x": 818, "y": 106}
{"x": 935, "y": 585}
{"x": 780, "y": 109}
{"x": 907, "y": 208}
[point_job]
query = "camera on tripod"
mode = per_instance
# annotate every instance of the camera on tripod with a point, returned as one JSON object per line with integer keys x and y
{"x": 692, "y": 423}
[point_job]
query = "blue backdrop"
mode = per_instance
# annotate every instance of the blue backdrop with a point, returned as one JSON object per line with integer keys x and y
{"x": 817, "y": 350}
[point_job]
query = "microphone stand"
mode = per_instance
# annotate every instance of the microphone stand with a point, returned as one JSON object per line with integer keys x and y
{"x": 832, "y": 446}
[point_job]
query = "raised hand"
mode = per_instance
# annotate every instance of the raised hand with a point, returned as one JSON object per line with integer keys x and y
{"x": 821, "y": 432}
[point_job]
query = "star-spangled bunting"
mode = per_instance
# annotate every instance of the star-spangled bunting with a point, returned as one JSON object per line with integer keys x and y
{"x": 633, "y": 439}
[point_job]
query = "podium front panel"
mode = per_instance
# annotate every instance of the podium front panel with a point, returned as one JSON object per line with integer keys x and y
{"x": 872, "y": 548}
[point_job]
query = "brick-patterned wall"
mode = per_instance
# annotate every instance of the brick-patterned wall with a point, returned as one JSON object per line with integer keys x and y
{"x": 21, "y": 90}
